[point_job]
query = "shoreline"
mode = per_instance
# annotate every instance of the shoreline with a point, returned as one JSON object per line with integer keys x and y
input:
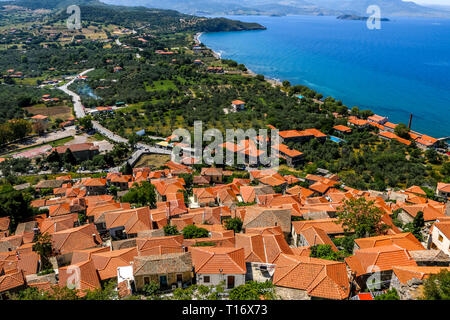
{"x": 272, "y": 81}
{"x": 276, "y": 82}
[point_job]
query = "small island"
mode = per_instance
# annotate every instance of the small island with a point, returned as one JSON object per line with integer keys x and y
{"x": 354, "y": 17}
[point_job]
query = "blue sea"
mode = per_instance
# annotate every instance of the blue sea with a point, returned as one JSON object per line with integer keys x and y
{"x": 402, "y": 68}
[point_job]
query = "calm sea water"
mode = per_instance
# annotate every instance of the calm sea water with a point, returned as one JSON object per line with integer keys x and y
{"x": 401, "y": 69}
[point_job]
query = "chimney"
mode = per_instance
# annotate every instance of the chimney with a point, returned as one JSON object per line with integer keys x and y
{"x": 410, "y": 120}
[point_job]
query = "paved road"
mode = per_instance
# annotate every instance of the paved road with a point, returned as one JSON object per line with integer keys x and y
{"x": 77, "y": 106}
{"x": 141, "y": 148}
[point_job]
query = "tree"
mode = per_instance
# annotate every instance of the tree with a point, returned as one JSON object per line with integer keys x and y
{"x": 86, "y": 123}
{"x": 143, "y": 195}
{"x": 253, "y": 290}
{"x": 43, "y": 246}
{"x": 151, "y": 288}
{"x": 234, "y": 224}
{"x": 402, "y": 131}
{"x": 38, "y": 127}
{"x": 286, "y": 84}
{"x": 324, "y": 251}
{"x": 170, "y": 230}
{"x": 361, "y": 217}
{"x": 437, "y": 286}
{"x": 127, "y": 169}
{"x": 16, "y": 205}
{"x": 193, "y": 232}
{"x": 389, "y": 295}
{"x": 68, "y": 157}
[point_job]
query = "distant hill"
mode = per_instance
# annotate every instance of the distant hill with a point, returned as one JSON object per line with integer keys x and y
{"x": 389, "y": 8}
{"x": 135, "y": 17}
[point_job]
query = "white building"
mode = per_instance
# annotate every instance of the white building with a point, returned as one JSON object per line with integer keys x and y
{"x": 215, "y": 265}
{"x": 440, "y": 236}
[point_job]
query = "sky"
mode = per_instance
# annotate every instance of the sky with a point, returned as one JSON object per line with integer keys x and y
{"x": 425, "y": 2}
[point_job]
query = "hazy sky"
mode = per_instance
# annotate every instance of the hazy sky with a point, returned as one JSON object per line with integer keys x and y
{"x": 444, "y": 2}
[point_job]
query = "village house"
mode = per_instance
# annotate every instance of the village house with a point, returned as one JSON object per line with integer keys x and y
{"x": 214, "y": 175}
{"x": 379, "y": 262}
{"x": 293, "y": 157}
{"x": 167, "y": 270}
{"x": 95, "y": 186}
{"x": 440, "y": 236}
{"x": 237, "y": 105}
{"x": 214, "y": 265}
{"x": 342, "y": 129}
{"x": 378, "y": 119}
{"x": 304, "y": 278}
{"x": 81, "y": 151}
{"x": 443, "y": 190}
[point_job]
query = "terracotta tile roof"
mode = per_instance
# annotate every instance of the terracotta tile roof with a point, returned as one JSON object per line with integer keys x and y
{"x": 4, "y": 223}
{"x": 248, "y": 193}
{"x": 77, "y": 147}
{"x": 301, "y": 251}
{"x": 404, "y": 240}
{"x": 162, "y": 264}
{"x": 86, "y": 254}
{"x": 107, "y": 263}
{"x": 86, "y": 274}
{"x": 416, "y": 190}
{"x": 358, "y": 122}
{"x": 406, "y": 273}
{"x": 290, "y": 134}
{"x": 379, "y": 126}
{"x": 390, "y": 125}
{"x": 59, "y": 209}
{"x": 300, "y": 191}
{"x": 328, "y": 225}
{"x": 443, "y": 187}
{"x": 379, "y": 259}
{"x": 11, "y": 242}
{"x": 257, "y": 216}
{"x": 82, "y": 237}
{"x": 430, "y": 212}
{"x": 211, "y": 260}
{"x": 262, "y": 248}
{"x": 145, "y": 246}
{"x": 284, "y": 149}
{"x": 38, "y": 203}
{"x": 94, "y": 182}
{"x": 237, "y": 102}
{"x": 273, "y": 180}
{"x": 390, "y": 135}
{"x": 134, "y": 220}
{"x": 319, "y": 278}
{"x": 342, "y": 128}
{"x": 316, "y": 133}
{"x": 315, "y": 236}
{"x": 11, "y": 280}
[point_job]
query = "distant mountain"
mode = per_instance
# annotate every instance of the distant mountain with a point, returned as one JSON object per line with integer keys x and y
{"x": 389, "y": 8}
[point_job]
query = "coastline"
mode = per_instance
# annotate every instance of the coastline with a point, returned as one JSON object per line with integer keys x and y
{"x": 277, "y": 82}
{"x": 272, "y": 81}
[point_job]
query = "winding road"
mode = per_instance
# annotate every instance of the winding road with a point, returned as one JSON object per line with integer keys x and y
{"x": 141, "y": 148}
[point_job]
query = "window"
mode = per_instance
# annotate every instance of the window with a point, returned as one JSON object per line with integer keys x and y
{"x": 146, "y": 280}
{"x": 206, "y": 279}
{"x": 440, "y": 238}
{"x": 179, "y": 278}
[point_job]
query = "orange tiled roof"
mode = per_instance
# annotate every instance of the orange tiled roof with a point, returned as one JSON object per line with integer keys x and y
{"x": 404, "y": 240}
{"x": 443, "y": 187}
{"x": 319, "y": 278}
{"x": 211, "y": 260}
{"x": 107, "y": 263}
{"x": 11, "y": 280}
{"x": 87, "y": 276}
{"x": 263, "y": 248}
{"x": 328, "y": 225}
{"x": 379, "y": 259}
{"x": 406, "y": 273}
{"x": 342, "y": 128}
{"x": 82, "y": 237}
